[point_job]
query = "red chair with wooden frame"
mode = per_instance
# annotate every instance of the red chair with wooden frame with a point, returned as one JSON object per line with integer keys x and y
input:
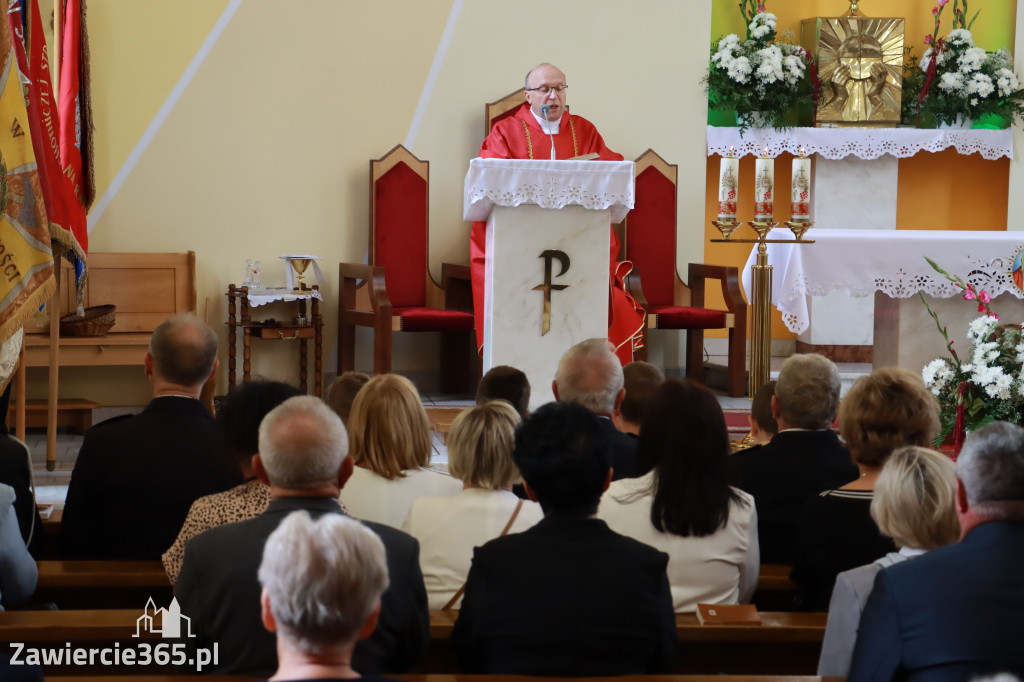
{"x": 650, "y": 243}
{"x": 502, "y": 108}
{"x": 399, "y": 293}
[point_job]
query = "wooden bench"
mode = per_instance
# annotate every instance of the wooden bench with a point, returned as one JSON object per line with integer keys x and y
{"x": 147, "y": 288}
{"x": 107, "y": 585}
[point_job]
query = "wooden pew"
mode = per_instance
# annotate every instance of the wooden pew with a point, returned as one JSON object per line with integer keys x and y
{"x": 473, "y": 678}
{"x": 102, "y": 584}
{"x": 775, "y": 591}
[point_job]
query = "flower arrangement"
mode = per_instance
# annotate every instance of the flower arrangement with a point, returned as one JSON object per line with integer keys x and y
{"x": 964, "y": 81}
{"x": 990, "y": 387}
{"x": 759, "y": 75}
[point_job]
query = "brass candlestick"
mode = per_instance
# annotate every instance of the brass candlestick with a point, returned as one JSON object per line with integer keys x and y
{"x": 761, "y": 296}
{"x": 726, "y": 227}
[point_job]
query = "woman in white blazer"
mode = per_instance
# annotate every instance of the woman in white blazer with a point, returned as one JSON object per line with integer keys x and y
{"x": 683, "y": 503}
{"x": 480, "y": 446}
{"x": 390, "y": 444}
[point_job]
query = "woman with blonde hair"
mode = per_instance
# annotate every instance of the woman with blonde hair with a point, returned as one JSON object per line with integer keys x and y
{"x": 883, "y": 411}
{"x": 913, "y": 505}
{"x": 480, "y": 446}
{"x": 390, "y": 444}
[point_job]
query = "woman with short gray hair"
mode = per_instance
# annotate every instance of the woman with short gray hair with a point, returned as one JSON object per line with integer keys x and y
{"x": 322, "y": 581}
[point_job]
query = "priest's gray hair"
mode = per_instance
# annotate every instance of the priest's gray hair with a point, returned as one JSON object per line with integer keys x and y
{"x": 323, "y": 578}
{"x": 302, "y": 444}
{"x": 590, "y": 374}
{"x": 808, "y": 391}
{"x": 991, "y": 466}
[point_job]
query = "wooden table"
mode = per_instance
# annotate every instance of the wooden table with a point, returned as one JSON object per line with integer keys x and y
{"x": 287, "y": 331}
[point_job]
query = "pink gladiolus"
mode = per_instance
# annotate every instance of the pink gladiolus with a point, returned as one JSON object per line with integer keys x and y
{"x": 935, "y": 10}
{"x": 943, "y": 3}
{"x": 969, "y": 295}
{"x": 928, "y": 40}
{"x": 984, "y": 297}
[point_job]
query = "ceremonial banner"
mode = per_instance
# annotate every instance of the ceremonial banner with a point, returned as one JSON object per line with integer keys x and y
{"x": 76, "y": 108}
{"x": 67, "y": 217}
{"x": 26, "y": 258}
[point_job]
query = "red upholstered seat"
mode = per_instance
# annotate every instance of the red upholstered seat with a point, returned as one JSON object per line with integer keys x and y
{"x": 434, "y": 320}
{"x": 685, "y": 317}
{"x": 401, "y": 294}
{"x": 650, "y": 243}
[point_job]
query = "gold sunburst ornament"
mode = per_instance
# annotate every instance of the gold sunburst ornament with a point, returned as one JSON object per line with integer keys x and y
{"x": 860, "y": 65}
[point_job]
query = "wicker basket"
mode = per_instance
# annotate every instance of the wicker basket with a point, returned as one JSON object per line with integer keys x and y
{"x": 96, "y": 321}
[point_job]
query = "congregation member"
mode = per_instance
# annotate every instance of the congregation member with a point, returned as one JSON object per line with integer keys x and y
{"x": 914, "y": 506}
{"x": 480, "y": 446}
{"x": 883, "y": 411}
{"x": 639, "y": 380}
{"x": 543, "y": 128}
{"x": 18, "y": 572}
{"x": 391, "y": 443}
{"x": 763, "y": 426}
{"x": 343, "y": 391}
{"x": 802, "y": 459}
{"x": 590, "y": 375}
{"x": 568, "y": 597}
{"x": 505, "y": 383}
{"x": 303, "y": 458}
{"x": 322, "y": 583}
{"x": 684, "y": 504}
{"x": 239, "y": 420}
{"x": 955, "y": 613}
{"x": 16, "y": 472}
{"x": 136, "y": 476}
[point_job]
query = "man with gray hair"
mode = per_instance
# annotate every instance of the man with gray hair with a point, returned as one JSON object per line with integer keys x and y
{"x": 802, "y": 459}
{"x": 590, "y": 374}
{"x": 304, "y": 459}
{"x": 136, "y": 476}
{"x": 322, "y": 581}
{"x": 955, "y": 613}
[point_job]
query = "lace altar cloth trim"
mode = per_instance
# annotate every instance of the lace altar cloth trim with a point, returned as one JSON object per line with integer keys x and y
{"x": 270, "y": 295}
{"x": 861, "y": 262}
{"x": 864, "y": 143}
{"x": 597, "y": 185}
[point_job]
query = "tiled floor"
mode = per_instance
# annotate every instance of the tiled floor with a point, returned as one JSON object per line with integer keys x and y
{"x": 52, "y": 486}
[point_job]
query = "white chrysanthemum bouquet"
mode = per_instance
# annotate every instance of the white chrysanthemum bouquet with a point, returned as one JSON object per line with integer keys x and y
{"x": 989, "y": 387}
{"x": 963, "y": 80}
{"x": 758, "y": 75}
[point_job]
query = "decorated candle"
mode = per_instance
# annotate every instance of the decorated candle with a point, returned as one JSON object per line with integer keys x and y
{"x": 801, "y": 188}
{"x": 728, "y": 183}
{"x": 764, "y": 188}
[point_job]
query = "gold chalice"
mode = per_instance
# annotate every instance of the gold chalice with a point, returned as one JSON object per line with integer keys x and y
{"x": 300, "y": 265}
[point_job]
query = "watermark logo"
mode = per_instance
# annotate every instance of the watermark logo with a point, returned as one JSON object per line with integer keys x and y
{"x": 170, "y": 622}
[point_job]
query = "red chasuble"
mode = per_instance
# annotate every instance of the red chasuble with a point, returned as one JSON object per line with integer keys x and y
{"x": 511, "y": 139}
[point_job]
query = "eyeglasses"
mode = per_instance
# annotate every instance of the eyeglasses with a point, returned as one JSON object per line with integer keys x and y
{"x": 545, "y": 89}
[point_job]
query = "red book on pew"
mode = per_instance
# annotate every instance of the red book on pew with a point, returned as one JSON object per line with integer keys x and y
{"x": 728, "y": 614}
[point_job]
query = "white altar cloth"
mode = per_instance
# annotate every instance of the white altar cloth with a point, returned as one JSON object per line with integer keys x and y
{"x": 861, "y": 262}
{"x": 595, "y": 185}
{"x": 864, "y": 143}
{"x": 271, "y": 294}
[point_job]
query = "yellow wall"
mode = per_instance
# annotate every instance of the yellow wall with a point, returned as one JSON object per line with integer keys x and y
{"x": 266, "y": 151}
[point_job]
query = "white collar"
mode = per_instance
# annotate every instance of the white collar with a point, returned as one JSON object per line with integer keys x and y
{"x": 911, "y": 552}
{"x": 549, "y": 127}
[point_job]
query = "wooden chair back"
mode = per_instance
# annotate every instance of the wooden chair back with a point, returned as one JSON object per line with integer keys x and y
{"x": 502, "y": 108}
{"x": 399, "y": 225}
{"x": 650, "y": 230}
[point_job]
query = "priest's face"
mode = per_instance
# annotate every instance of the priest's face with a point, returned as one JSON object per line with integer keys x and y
{"x": 546, "y": 77}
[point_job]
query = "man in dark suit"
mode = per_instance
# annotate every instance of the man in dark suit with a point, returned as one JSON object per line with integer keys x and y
{"x": 136, "y": 476}
{"x": 590, "y": 374}
{"x": 568, "y": 596}
{"x": 802, "y": 459}
{"x": 304, "y": 459}
{"x": 955, "y": 613}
